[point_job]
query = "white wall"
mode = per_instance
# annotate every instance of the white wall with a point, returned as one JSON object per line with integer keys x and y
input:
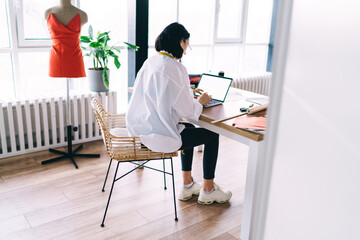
{"x": 313, "y": 147}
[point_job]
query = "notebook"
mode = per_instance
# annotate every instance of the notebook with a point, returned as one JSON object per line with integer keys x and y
{"x": 216, "y": 86}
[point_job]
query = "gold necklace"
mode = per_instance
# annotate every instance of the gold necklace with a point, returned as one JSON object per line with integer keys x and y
{"x": 166, "y": 54}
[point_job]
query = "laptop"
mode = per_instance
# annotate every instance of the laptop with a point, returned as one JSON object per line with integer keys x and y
{"x": 216, "y": 86}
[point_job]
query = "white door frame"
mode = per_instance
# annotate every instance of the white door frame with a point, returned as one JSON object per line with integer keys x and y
{"x": 265, "y": 162}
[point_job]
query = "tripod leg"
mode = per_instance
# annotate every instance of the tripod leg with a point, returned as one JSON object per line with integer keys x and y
{"x": 73, "y": 161}
{"x": 70, "y": 153}
{"x": 54, "y": 159}
{"x": 78, "y": 148}
{"x": 57, "y": 151}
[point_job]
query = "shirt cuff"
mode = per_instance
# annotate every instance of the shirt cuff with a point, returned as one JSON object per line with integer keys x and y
{"x": 198, "y": 109}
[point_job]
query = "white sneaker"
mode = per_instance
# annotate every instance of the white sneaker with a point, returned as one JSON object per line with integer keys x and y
{"x": 187, "y": 193}
{"x": 219, "y": 195}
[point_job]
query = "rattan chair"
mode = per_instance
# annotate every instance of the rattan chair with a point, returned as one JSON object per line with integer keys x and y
{"x": 123, "y": 148}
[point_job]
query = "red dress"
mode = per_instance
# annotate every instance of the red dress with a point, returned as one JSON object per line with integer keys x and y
{"x": 66, "y": 58}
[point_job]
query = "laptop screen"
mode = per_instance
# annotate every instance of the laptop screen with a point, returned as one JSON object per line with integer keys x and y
{"x": 216, "y": 86}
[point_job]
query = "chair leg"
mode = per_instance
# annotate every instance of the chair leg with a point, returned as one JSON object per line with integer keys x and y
{"x": 112, "y": 187}
{"x": 172, "y": 175}
{"x": 107, "y": 173}
{"x": 164, "y": 174}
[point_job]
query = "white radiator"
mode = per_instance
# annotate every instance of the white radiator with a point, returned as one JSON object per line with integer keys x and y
{"x": 258, "y": 83}
{"x": 40, "y": 124}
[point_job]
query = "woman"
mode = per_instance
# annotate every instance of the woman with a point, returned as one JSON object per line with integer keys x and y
{"x": 162, "y": 97}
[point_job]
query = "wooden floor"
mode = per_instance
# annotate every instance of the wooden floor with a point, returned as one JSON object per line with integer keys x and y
{"x": 57, "y": 201}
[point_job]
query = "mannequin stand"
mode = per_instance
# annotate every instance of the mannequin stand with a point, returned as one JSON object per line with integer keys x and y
{"x": 70, "y": 152}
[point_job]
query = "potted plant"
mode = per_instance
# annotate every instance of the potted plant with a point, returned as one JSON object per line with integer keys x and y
{"x": 100, "y": 52}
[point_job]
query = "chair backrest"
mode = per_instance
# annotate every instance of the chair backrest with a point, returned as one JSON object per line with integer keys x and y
{"x": 121, "y": 147}
{"x": 100, "y": 115}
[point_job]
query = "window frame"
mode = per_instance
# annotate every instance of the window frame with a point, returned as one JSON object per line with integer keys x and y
{"x": 243, "y": 24}
{"x": 19, "y": 45}
{"x": 22, "y": 41}
{"x": 216, "y": 42}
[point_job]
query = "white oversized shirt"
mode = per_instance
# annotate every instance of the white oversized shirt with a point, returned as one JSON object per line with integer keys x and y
{"x": 161, "y": 97}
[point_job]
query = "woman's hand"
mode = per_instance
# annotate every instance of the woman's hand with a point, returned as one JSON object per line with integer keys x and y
{"x": 204, "y": 98}
{"x": 198, "y": 90}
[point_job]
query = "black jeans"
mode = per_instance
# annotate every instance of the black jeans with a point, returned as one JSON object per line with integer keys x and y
{"x": 191, "y": 137}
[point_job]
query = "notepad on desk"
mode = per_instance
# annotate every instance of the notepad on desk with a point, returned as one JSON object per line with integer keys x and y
{"x": 250, "y": 123}
{"x": 258, "y": 100}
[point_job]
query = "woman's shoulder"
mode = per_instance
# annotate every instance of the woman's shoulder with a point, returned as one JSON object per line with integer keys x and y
{"x": 165, "y": 66}
{"x": 173, "y": 64}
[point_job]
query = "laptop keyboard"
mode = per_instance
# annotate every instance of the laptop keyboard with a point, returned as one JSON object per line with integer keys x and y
{"x": 212, "y": 103}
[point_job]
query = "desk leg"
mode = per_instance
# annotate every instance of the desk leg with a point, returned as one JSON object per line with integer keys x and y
{"x": 254, "y": 151}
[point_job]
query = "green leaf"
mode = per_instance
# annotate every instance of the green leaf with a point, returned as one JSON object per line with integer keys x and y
{"x": 111, "y": 53}
{"x": 101, "y": 53}
{"x": 106, "y": 40}
{"x": 116, "y": 62}
{"x": 103, "y": 35}
{"x": 132, "y": 46}
{"x": 91, "y": 32}
{"x": 105, "y": 78}
{"x": 116, "y": 49}
{"x": 94, "y": 44}
{"x": 85, "y": 39}
{"x": 101, "y": 40}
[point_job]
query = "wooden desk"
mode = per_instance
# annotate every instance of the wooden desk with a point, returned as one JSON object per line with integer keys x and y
{"x": 235, "y": 100}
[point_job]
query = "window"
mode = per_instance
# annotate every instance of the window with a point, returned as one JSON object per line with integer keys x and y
{"x": 164, "y": 10}
{"x": 7, "y": 79}
{"x": 110, "y": 16}
{"x": 259, "y": 21}
{"x": 33, "y": 76}
{"x": 225, "y": 35}
{"x": 254, "y": 58}
{"x": 229, "y": 21}
{"x": 32, "y": 29}
{"x": 225, "y": 56}
{"x": 7, "y": 84}
{"x": 198, "y": 60}
{"x": 25, "y": 45}
{"x": 4, "y": 40}
{"x": 198, "y": 19}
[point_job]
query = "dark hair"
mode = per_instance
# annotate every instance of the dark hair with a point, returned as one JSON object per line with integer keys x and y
{"x": 169, "y": 39}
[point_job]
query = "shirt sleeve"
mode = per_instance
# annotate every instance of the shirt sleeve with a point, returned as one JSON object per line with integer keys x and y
{"x": 186, "y": 106}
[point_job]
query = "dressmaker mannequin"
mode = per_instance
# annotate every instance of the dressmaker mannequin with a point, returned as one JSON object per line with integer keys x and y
{"x": 65, "y": 12}
{"x": 64, "y": 23}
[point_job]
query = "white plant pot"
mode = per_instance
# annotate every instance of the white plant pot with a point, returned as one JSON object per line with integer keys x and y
{"x": 95, "y": 80}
